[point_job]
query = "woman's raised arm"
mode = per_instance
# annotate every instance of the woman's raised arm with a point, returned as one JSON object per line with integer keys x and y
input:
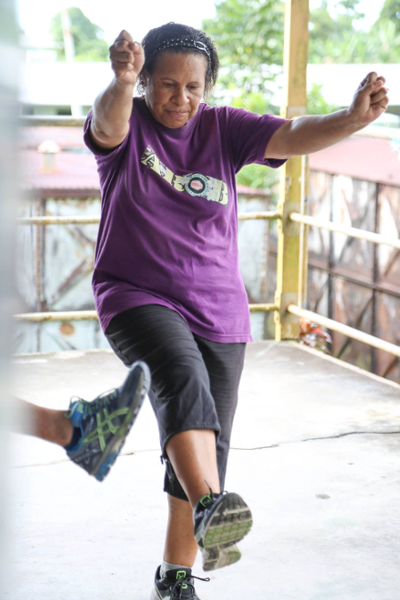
{"x": 309, "y": 134}
{"x": 112, "y": 107}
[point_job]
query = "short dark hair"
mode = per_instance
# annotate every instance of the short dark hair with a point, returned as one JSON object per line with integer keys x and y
{"x": 157, "y": 37}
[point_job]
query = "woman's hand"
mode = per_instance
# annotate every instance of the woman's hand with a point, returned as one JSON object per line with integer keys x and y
{"x": 370, "y": 100}
{"x": 127, "y": 58}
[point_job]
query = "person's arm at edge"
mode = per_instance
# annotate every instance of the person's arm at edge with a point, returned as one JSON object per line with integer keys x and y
{"x": 113, "y": 107}
{"x": 308, "y": 134}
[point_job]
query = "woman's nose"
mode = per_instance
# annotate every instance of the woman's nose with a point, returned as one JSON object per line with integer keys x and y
{"x": 180, "y": 96}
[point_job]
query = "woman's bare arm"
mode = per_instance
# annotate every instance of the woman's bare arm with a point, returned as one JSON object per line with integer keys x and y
{"x": 112, "y": 107}
{"x": 309, "y": 134}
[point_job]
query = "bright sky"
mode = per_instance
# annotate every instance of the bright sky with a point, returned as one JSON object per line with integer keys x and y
{"x": 136, "y": 17}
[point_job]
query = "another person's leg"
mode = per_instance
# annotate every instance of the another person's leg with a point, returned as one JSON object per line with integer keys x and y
{"x": 44, "y": 423}
{"x": 93, "y": 433}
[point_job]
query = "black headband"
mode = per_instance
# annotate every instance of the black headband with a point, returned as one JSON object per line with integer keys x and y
{"x": 186, "y": 42}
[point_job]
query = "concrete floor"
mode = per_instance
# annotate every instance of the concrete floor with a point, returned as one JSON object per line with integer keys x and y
{"x": 316, "y": 454}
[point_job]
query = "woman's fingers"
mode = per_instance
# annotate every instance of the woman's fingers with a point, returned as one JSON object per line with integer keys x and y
{"x": 126, "y": 56}
{"x": 124, "y": 36}
{"x": 379, "y": 95}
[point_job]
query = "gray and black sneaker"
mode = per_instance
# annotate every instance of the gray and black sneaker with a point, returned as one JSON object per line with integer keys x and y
{"x": 177, "y": 584}
{"x": 220, "y": 556}
{"x": 105, "y": 422}
{"x": 220, "y": 520}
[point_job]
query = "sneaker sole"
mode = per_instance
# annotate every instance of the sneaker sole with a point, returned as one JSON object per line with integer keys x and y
{"x": 155, "y": 595}
{"x": 115, "y": 444}
{"x": 220, "y": 556}
{"x": 229, "y": 523}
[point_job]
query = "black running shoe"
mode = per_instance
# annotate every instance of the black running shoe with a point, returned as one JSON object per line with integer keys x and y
{"x": 220, "y": 520}
{"x": 105, "y": 422}
{"x": 177, "y": 584}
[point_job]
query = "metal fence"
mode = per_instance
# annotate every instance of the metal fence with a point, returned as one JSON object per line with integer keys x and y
{"x": 296, "y": 265}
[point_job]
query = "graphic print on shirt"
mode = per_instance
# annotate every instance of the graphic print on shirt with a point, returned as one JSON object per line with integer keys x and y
{"x": 194, "y": 184}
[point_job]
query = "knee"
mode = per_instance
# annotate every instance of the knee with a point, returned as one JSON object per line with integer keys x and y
{"x": 183, "y": 380}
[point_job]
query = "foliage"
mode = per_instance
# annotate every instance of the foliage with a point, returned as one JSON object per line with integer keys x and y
{"x": 384, "y": 44}
{"x": 391, "y": 12}
{"x": 249, "y": 37}
{"x": 316, "y": 103}
{"x": 89, "y": 43}
{"x": 336, "y": 35}
{"x": 258, "y": 177}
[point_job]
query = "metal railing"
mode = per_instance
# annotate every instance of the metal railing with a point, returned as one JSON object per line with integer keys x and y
{"x": 360, "y": 234}
{"x": 331, "y": 324}
{"x": 78, "y": 220}
{"x": 292, "y": 309}
{"x": 85, "y": 315}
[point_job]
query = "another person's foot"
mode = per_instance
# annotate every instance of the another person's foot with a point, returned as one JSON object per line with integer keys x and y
{"x": 220, "y": 556}
{"x": 102, "y": 425}
{"x": 176, "y": 584}
{"x": 220, "y": 520}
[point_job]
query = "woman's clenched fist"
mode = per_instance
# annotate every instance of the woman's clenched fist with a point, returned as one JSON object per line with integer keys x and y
{"x": 127, "y": 58}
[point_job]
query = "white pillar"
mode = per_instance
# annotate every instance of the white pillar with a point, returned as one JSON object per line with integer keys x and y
{"x": 9, "y": 61}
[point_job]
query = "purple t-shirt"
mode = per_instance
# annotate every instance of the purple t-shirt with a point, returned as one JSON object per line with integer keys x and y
{"x": 168, "y": 228}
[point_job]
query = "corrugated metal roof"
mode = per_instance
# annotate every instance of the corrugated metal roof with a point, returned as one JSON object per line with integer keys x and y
{"x": 68, "y": 138}
{"x": 368, "y": 159}
{"x": 75, "y": 175}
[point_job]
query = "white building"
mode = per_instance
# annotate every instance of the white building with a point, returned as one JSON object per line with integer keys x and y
{"x": 52, "y": 88}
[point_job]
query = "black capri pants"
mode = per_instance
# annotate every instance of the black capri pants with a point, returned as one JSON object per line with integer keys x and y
{"x": 194, "y": 380}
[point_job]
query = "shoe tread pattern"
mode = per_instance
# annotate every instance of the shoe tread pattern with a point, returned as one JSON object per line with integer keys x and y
{"x": 229, "y": 524}
{"x": 220, "y": 556}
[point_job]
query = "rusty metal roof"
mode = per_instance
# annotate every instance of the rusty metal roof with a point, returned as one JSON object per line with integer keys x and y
{"x": 368, "y": 159}
{"x": 76, "y": 174}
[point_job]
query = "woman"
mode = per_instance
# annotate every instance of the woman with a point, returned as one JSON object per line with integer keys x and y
{"x": 166, "y": 282}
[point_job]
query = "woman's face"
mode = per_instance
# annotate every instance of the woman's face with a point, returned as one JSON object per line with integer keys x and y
{"x": 175, "y": 88}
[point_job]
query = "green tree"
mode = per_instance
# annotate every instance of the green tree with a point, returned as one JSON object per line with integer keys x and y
{"x": 256, "y": 176}
{"x": 384, "y": 42}
{"x": 334, "y": 38}
{"x": 249, "y": 64}
{"x": 391, "y": 12}
{"x": 249, "y": 38}
{"x": 316, "y": 103}
{"x": 88, "y": 37}
{"x": 336, "y": 35}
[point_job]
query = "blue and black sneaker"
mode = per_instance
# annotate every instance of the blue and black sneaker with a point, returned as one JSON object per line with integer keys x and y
{"x": 220, "y": 521}
{"x": 104, "y": 423}
{"x": 176, "y": 584}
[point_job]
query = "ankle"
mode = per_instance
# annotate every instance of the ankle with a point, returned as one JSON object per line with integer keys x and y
{"x": 63, "y": 429}
{"x": 169, "y": 566}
